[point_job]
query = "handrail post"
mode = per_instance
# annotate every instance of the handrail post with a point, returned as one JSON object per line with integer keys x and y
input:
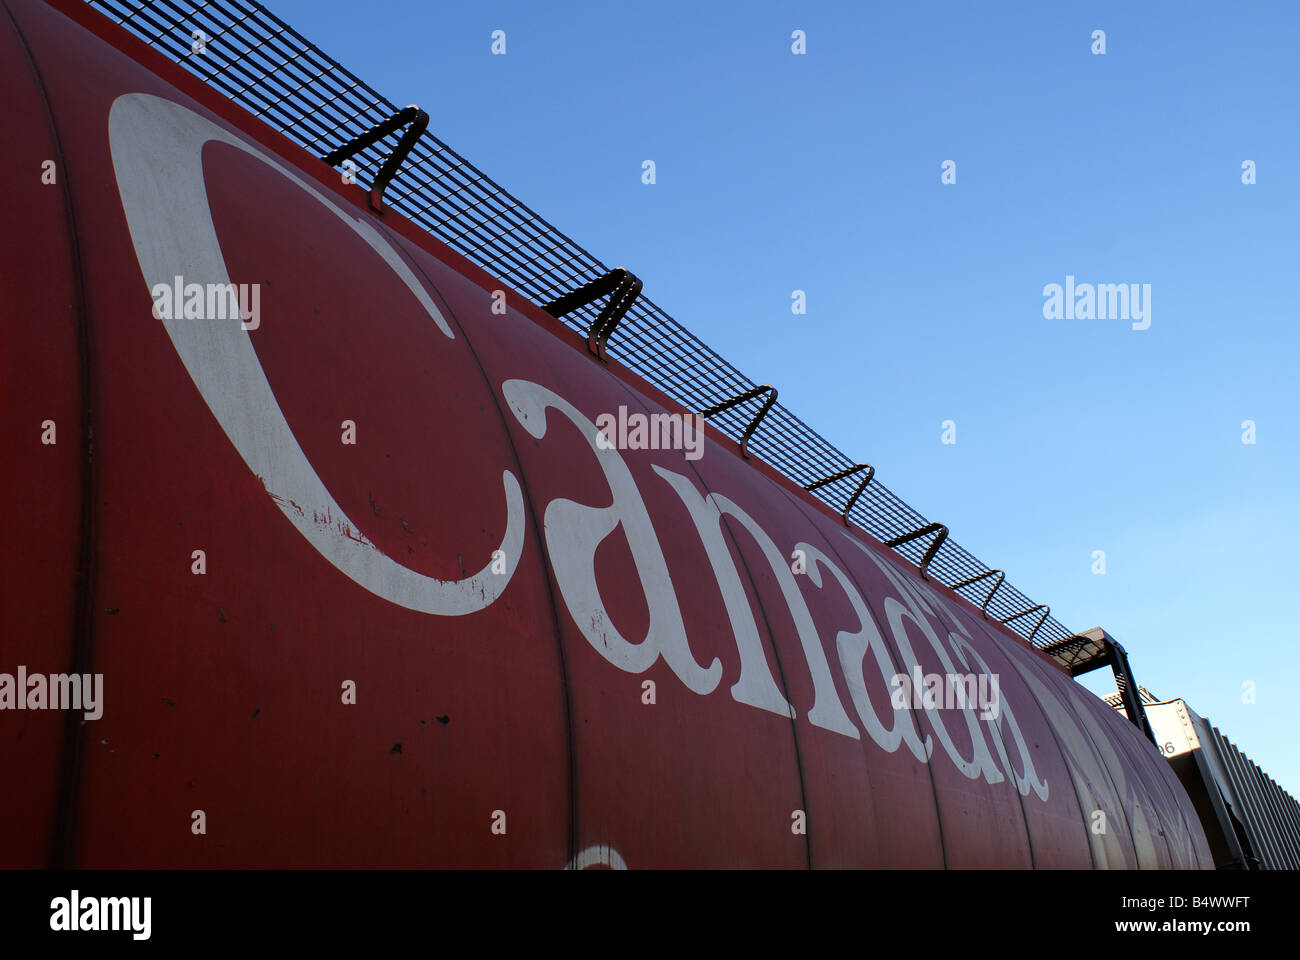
{"x": 416, "y": 122}
{"x": 847, "y": 472}
{"x": 984, "y": 607}
{"x": 758, "y": 417}
{"x": 935, "y": 544}
{"x": 1016, "y": 616}
{"x": 623, "y": 288}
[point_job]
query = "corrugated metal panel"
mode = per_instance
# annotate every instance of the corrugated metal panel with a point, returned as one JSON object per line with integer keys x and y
{"x": 1283, "y": 810}
{"x": 1267, "y": 813}
{"x": 1292, "y": 812}
{"x": 1262, "y": 836}
{"x": 1273, "y": 816}
{"x": 1290, "y": 809}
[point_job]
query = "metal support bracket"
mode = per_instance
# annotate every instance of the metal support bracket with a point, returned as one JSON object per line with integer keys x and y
{"x": 848, "y": 472}
{"x": 1095, "y": 648}
{"x": 936, "y": 528}
{"x": 984, "y": 607}
{"x": 623, "y": 289}
{"x": 416, "y": 122}
{"x": 1125, "y": 683}
{"x": 1016, "y": 616}
{"x": 758, "y": 417}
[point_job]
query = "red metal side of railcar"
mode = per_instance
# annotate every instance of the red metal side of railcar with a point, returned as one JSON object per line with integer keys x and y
{"x": 476, "y": 636}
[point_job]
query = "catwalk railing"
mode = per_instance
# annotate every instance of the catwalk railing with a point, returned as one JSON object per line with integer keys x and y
{"x": 272, "y": 71}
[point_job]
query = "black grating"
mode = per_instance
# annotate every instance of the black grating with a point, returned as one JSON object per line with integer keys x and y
{"x": 270, "y": 70}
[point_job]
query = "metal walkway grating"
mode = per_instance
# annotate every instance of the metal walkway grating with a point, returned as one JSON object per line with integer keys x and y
{"x": 272, "y": 71}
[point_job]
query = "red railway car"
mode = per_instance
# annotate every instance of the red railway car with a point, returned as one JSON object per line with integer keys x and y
{"x": 357, "y": 572}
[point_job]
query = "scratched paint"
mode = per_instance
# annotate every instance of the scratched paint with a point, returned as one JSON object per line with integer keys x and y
{"x": 518, "y": 576}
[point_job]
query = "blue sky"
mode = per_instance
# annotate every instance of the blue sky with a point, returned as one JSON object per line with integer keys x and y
{"x": 821, "y": 172}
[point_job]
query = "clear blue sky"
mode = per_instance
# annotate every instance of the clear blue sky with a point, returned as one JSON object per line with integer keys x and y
{"x": 925, "y": 301}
